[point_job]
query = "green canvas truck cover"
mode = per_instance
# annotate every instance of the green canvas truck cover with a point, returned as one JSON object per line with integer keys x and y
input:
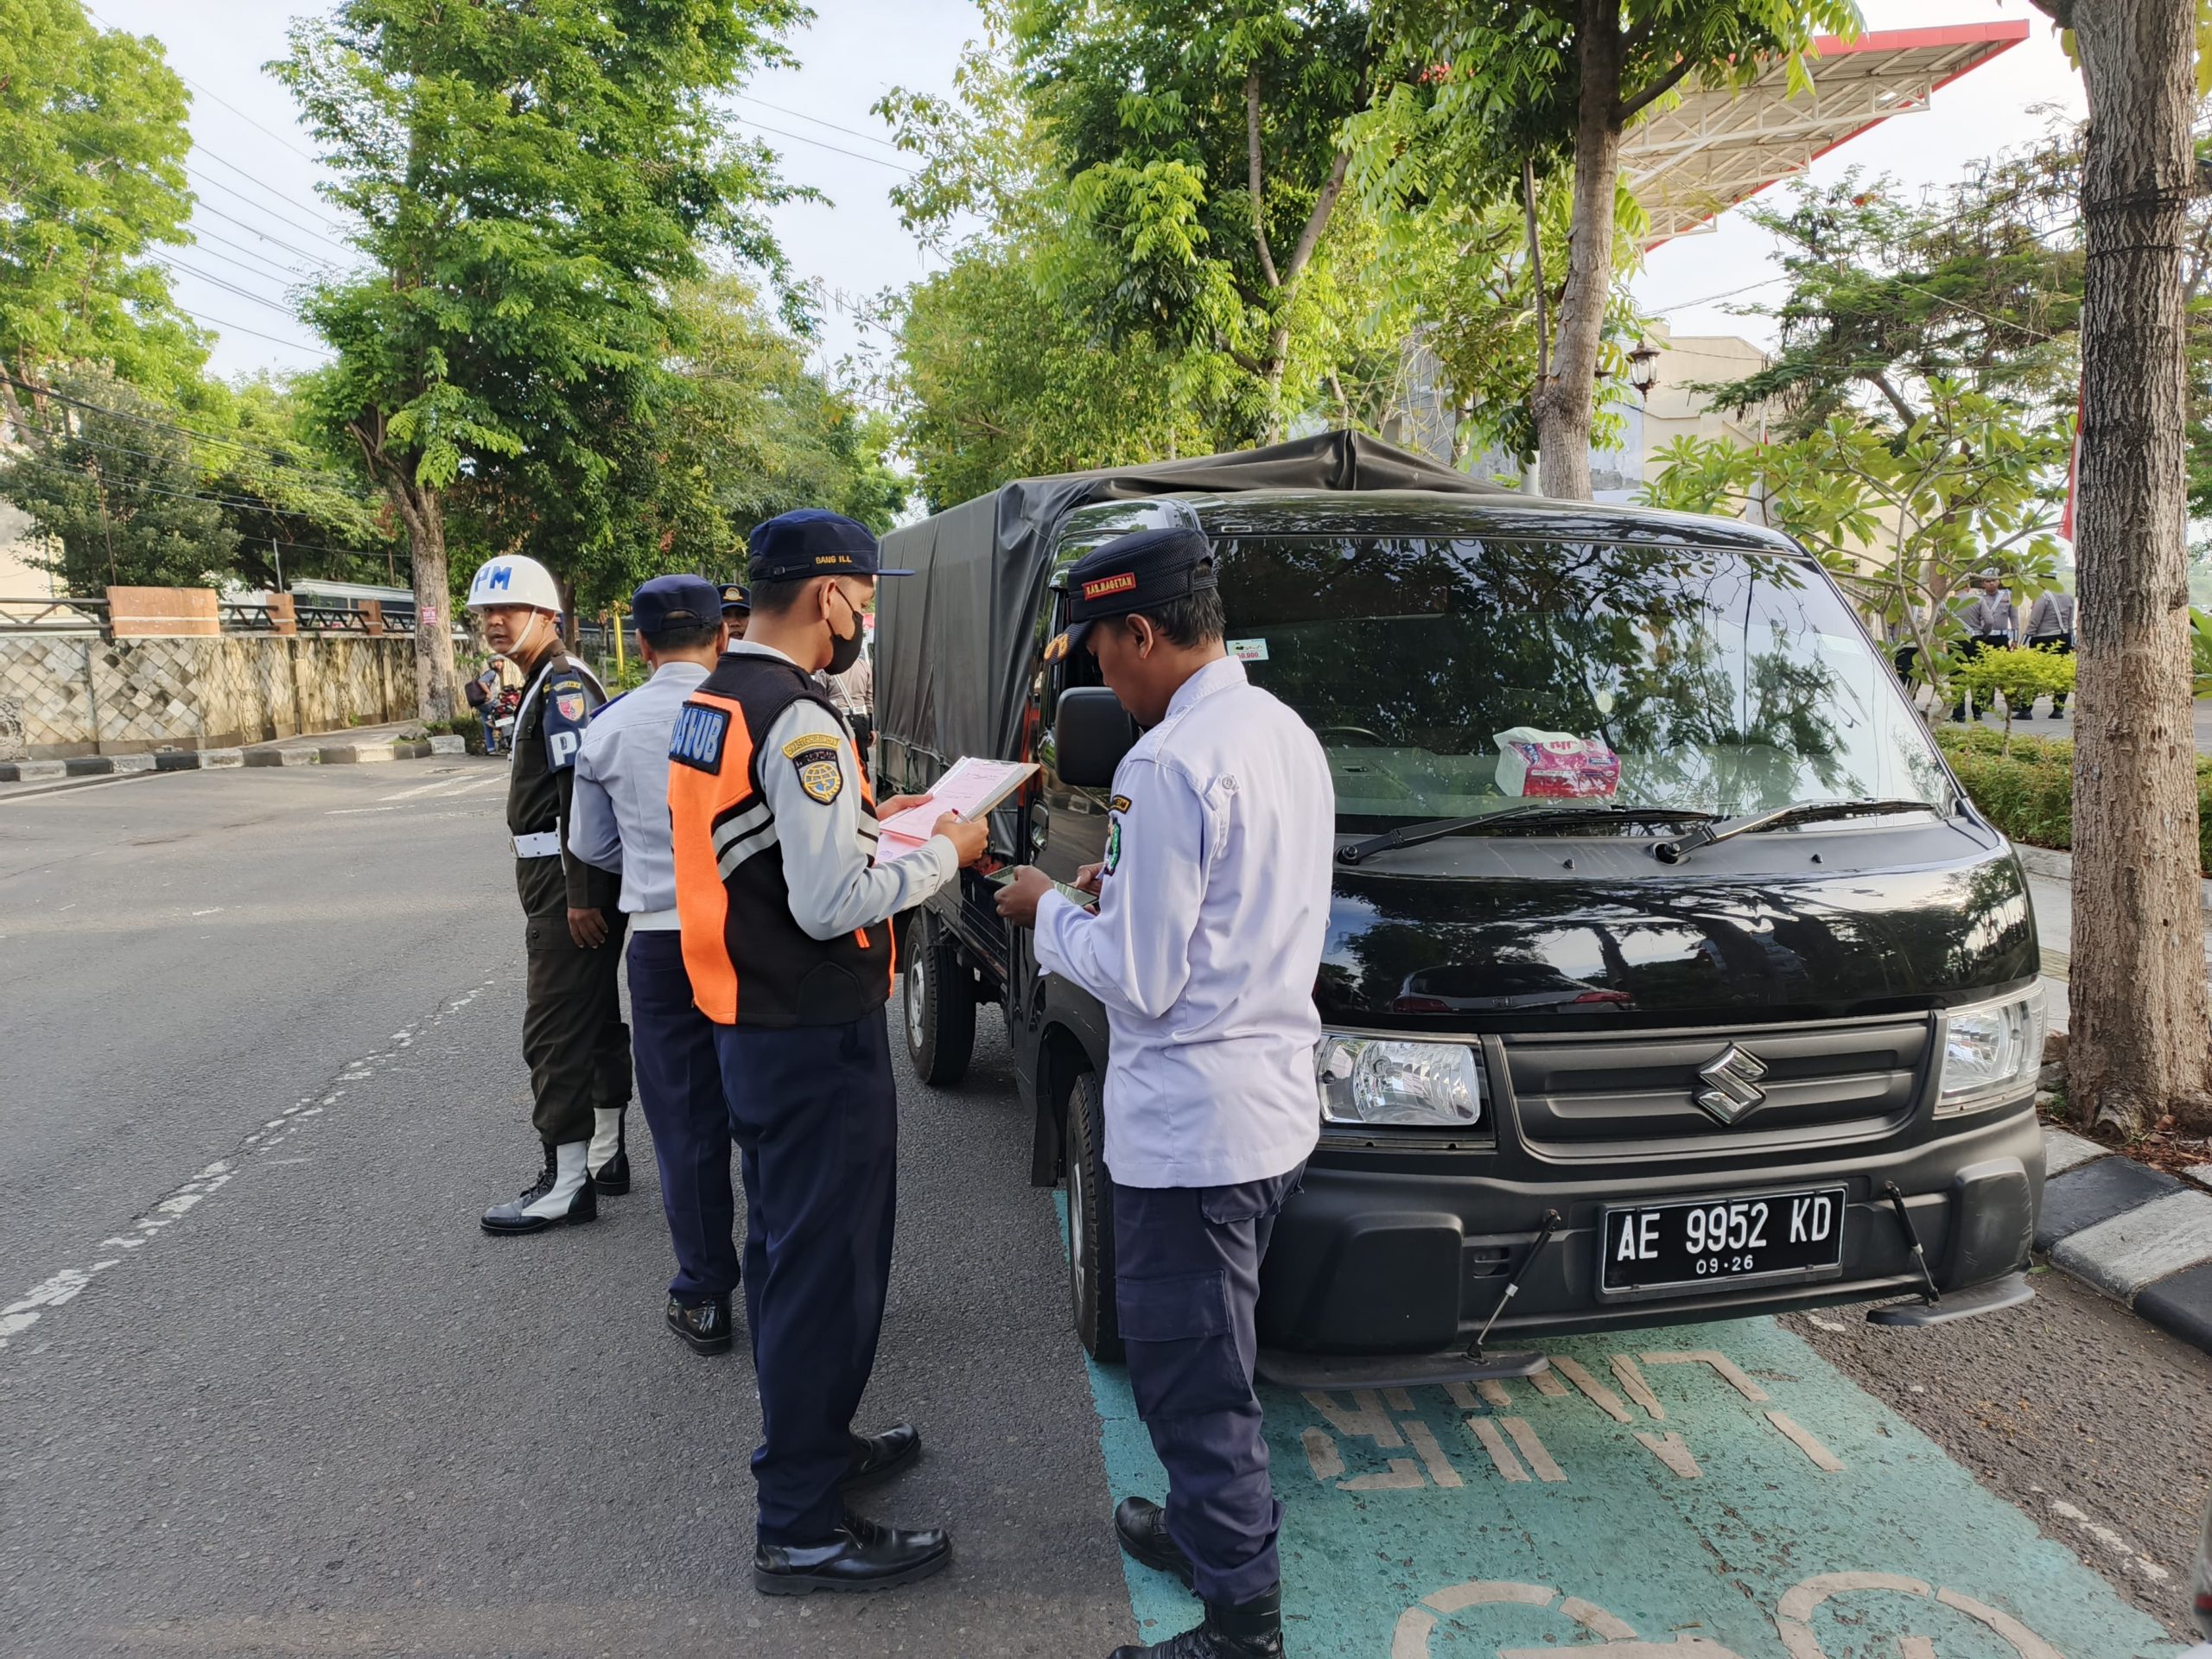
{"x": 955, "y": 644}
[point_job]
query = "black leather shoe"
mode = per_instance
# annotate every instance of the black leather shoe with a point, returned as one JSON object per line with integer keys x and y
{"x": 861, "y": 1556}
{"x": 614, "y": 1176}
{"x": 879, "y": 1457}
{"x": 1253, "y": 1630}
{"x": 1141, "y": 1525}
{"x": 706, "y": 1326}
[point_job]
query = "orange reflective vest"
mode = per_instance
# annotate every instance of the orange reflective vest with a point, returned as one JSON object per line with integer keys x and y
{"x": 750, "y": 962}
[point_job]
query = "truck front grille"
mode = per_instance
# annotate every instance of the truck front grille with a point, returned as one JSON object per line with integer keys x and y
{"x": 1610, "y": 1096}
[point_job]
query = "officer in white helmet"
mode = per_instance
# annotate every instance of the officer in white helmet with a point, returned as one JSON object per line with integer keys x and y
{"x": 573, "y": 1038}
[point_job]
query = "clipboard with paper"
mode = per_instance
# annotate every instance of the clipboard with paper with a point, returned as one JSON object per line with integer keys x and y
{"x": 972, "y": 788}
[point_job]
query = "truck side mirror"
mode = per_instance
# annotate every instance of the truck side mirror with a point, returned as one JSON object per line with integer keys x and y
{"x": 1090, "y": 733}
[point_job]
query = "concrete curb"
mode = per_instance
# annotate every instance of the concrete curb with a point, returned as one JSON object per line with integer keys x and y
{"x": 2134, "y": 1233}
{"x": 290, "y": 753}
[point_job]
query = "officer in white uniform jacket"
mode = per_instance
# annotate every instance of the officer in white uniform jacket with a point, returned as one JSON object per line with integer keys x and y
{"x": 1213, "y": 905}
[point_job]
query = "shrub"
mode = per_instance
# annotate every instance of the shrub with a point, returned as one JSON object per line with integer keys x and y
{"x": 2028, "y": 792}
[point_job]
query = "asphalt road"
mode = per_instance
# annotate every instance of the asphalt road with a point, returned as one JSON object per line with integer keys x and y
{"x": 266, "y": 1387}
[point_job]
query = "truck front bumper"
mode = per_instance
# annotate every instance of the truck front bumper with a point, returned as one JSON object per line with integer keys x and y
{"x": 1383, "y": 1262}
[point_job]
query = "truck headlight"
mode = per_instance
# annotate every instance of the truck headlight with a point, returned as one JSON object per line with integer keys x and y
{"x": 1991, "y": 1052}
{"x": 1382, "y": 1080}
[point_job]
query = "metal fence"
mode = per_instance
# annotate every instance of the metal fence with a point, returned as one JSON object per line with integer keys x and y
{"x": 90, "y": 616}
{"x": 53, "y": 616}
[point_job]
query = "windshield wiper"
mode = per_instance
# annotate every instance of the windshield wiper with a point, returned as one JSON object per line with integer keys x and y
{"x": 1530, "y": 814}
{"x": 1673, "y": 852}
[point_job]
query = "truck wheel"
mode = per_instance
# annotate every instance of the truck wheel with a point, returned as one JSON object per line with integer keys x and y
{"x": 1090, "y": 1223}
{"x": 940, "y": 1005}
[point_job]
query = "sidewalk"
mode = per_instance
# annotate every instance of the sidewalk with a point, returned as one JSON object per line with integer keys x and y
{"x": 2133, "y": 1231}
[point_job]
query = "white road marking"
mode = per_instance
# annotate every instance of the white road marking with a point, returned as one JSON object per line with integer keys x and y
{"x": 1500, "y": 1455}
{"x": 1401, "y": 1477}
{"x": 1672, "y": 1450}
{"x": 1633, "y": 1385}
{"x": 1723, "y": 1367}
{"x": 1823, "y": 1459}
{"x": 1533, "y": 1449}
{"x": 1321, "y": 1455}
{"x": 215, "y": 911}
{"x": 1367, "y": 1420}
{"x": 2136, "y": 1560}
{"x": 1431, "y": 1455}
{"x": 65, "y": 1285}
{"x": 1597, "y": 1394}
{"x": 1826, "y": 1325}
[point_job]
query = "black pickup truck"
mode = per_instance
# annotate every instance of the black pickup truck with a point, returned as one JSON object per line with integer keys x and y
{"x": 1754, "y": 1027}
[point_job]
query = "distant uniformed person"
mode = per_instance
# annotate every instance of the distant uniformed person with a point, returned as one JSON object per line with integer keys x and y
{"x": 2050, "y": 628}
{"x": 572, "y": 1037}
{"x": 1990, "y": 624}
{"x": 787, "y": 940}
{"x": 1204, "y": 948}
{"x": 621, "y": 823}
{"x": 737, "y": 608}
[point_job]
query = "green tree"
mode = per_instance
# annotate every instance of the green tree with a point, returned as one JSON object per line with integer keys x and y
{"x": 1492, "y": 85}
{"x": 92, "y": 141}
{"x": 1204, "y": 145}
{"x": 1980, "y": 283}
{"x": 529, "y": 179}
{"x": 116, "y": 488}
{"x": 2140, "y": 1020}
{"x": 740, "y": 428}
{"x": 300, "y": 507}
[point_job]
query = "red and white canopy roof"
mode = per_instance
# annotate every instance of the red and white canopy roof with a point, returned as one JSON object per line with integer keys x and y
{"x": 1715, "y": 148}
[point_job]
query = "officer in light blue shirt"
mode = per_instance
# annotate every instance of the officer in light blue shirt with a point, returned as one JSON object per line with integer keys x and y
{"x": 1213, "y": 905}
{"x": 620, "y": 822}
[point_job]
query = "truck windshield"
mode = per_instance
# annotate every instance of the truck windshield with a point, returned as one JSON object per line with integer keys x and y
{"x": 1453, "y": 677}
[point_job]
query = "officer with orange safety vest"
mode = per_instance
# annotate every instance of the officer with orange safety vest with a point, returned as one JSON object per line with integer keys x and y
{"x": 786, "y": 925}
{"x": 573, "y": 1038}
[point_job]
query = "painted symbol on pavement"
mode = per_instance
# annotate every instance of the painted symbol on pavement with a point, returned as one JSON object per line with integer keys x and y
{"x": 1793, "y": 1620}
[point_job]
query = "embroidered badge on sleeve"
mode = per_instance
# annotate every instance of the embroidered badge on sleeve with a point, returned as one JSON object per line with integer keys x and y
{"x": 567, "y": 715}
{"x": 821, "y": 767}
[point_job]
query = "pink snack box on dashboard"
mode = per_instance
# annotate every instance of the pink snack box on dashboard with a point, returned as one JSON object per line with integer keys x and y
{"x": 1558, "y": 764}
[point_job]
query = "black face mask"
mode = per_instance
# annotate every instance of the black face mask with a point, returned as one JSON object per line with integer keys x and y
{"x": 845, "y": 648}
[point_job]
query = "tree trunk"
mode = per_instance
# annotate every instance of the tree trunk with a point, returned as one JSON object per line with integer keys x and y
{"x": 1567, "y": 397}
{"x": 426, "y": 543}
{"x": 2142, "y": 1035}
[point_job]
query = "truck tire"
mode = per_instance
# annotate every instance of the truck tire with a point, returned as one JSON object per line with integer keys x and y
{"x": 1090, "y": 1223}
{"x": 940, "y": 1010}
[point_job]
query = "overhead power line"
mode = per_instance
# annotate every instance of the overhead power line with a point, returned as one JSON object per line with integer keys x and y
{"x": 873, "y": 138}
{"x": 168, "y": 426}
{"x": 215, "y": 98}
{"x": 800, "y": 138}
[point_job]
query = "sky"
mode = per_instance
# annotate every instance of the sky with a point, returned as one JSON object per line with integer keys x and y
{"x": 262, "y": 228}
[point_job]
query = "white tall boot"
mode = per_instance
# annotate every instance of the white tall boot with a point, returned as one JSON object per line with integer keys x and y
{"x": 610, "y": 1155}
{"x": 562, "y": 1193}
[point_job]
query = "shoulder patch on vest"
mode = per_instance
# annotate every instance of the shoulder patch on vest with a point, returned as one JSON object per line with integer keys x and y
{"x": 821, "y": 768}
{"x": 1119, "y": 803}
{"x": 698, "y": 737}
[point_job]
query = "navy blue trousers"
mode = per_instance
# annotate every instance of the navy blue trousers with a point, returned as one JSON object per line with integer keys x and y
{"x": 1187, "y": 1280}
{"x": 815, "y": 1120}
{"x": 680, "y": 1087}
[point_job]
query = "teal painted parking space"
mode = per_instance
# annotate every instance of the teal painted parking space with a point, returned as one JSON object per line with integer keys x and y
{"x": 1707, "y": 1492}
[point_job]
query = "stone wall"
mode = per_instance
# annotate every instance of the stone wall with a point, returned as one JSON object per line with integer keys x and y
{"x": 65, "y": 695}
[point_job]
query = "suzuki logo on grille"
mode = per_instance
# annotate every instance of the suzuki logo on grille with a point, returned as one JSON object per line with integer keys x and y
{"x": 1733, "y": 1080}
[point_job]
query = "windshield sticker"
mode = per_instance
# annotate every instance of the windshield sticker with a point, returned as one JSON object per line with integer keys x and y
{"x": 1249, "y": 650}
